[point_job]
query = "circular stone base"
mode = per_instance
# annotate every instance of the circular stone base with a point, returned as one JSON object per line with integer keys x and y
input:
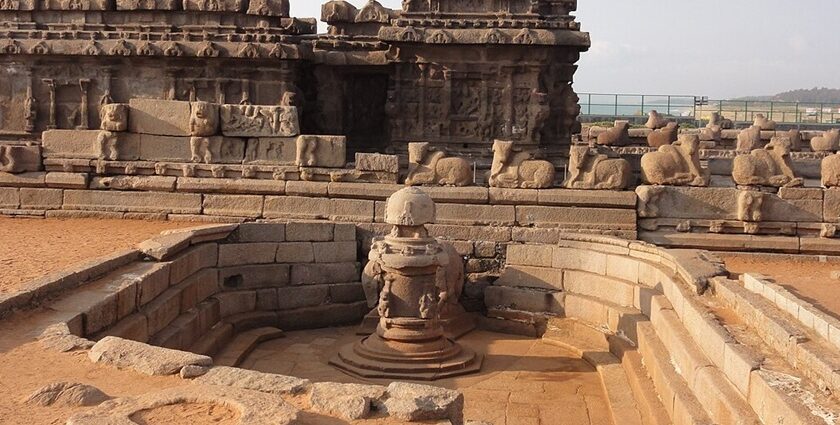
{"x": 357, "y": 359}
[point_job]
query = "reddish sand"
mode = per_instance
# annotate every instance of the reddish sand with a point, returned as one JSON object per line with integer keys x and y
{"x": 32, "y": 248}
{"x": 806, "y": 276}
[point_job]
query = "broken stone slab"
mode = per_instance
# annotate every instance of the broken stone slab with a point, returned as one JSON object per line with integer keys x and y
{"x": 253, "y": 380}
{"x": 66, "y": 394}
{"x": 254, "y": 408}
{"x": 144, "y": 358}
{"x": 165, "y": 247}
{"x": 259, "y": 121}
{"x": 17, "y": 159}
{"x": 415, "y": 402}
{"x": 206, "y": 233}
{"x": 376, "y": 162}
{"x": 192, "y": 371}
{"x": 348, "y": 401}
{"x": 321, "y": 151}
{"x": 58, "y": 338}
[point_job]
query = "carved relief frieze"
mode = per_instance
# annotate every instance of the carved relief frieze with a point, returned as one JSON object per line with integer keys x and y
{"x": 259, "y": 121}
{"x": 269, "y": 8}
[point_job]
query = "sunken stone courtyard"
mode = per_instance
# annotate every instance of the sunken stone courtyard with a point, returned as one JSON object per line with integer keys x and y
{"x": 211, "y": 213}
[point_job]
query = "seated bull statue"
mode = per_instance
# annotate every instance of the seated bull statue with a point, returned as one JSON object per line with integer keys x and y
{"x": 663, "y": 136}
{"x": 429, "y": 166}
{"x": 656, "y": 120}
{"x": 677, "y": 164}
{"x": 594, "y": 167}
{"x": 518, "y": 170}
{"x": 713, "y": 130}
{"x": 830, "y": 171}
{"x": 764, "y": 123}
{"x": 770, "y": 166}
{"x": 618, "y": 135}
{"x": 749, "y": 139}
{"x": 828, "y": 142}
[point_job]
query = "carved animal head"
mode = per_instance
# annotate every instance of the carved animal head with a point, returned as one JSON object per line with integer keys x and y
{"x": 201, "y": 110}
{"x": 577, "y": 156}
{"x": 502, "y": 152}
{"x": 780, "y": 147}
{"x": 688, "y": 143}
{"x": 417, "y": 152}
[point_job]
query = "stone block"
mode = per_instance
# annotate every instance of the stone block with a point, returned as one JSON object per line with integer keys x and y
{"x": 831, "y": 205}
{"x": 144, "y": 202}
{"x": 123, "y": 353}
{"x": 224, "y": 150}
{"x": 322, "y": 316}
{"x": 250, "y": 206}
{"x": 40, "y": 199}
{"x": 738, "y": 364}
{"x": 309, "y": 232}
{"x": 302, "y": 296}
{"x": 163, "y": 310}
{"x": 321, "y": 151}
{"x": 196, "y": 258}
{"x": 267, "y": 299}
{"x": 470, "y": 233}
{"x": 9, "y": 198}
{"x": 573, "y": 216}
{"x": 457, "y": 195}
{"x": 198, "y": 287}
{"x": 254, "y": 276}
{"x": 500, "y": 196}
{"x": 238, "y": 254}
{"x": 271, "y": 150}
{"x": 67, "y": 180}
{"x": 83, "y": 144}
{"x": 579, "y": 259}
{"x": 488, "y": 215}
{"x": 154, "y": 116}
{"x": 260, "y": 232}
{"x": 153, "y": 283}
{"x": 297, "y": 207}
{"x": 269, "y": 8}
{"x": 134, "y": 327}
{"x": 257, "y": 120}
{"x": 532, "y": 277}
{"x": 485, "y": 249}
{"x": 21, "y": 158}
{"x": 335, "y": 252}
{"x": 622, "y": 267}
{"x": 377, "y": 162}
{"x": 589, "y": 310}
{"x": 323, "y": 273}
{"x": 600, "y": 287}
{"x": 346, "y": 293}
{"x": 144, "y": 183}
{"x": 230, "y": 186}
{"x": 231, "y": 303}
{"x": 296, "y": 252}
{"x": 307, "y": 188}
{"x": 344, "y": 232}
{"x": 588, "y": 198}
{"x": 525, "y": 299}
{"x": 23, "y": 180}
{"x": 530, "y": 255}
{"x": 720, "y": 399}
{"x": 101, "y": 315}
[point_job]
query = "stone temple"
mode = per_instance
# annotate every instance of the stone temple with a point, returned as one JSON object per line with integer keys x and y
{"x": 399, "y": 221}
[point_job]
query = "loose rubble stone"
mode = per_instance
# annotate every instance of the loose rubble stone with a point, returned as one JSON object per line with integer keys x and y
{"x": 144, "y": 358}
{"x": 252, "y": 380}
{"x": 192, "y": 371}
{"x": 66, "y": 394}
{"x": 414, "y": 402}
{"x": 58, "y": 338}
{"x": 348, "y": 401}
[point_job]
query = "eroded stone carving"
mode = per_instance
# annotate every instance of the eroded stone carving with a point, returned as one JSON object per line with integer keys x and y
{"x": 713, "y": 130}
{"x": 204, "y": 122}
{"x": 656, "y": 120}
{"x": 828, "y": 142}
{"x": 321, "y": 151}
{"x": 770, "y": 166}
{"x": 430, "y": 166}
{"x": 764, "y": 123}
{"x": 750, "y": 203}
{"x": 593, "y": 167}
{"x": 373, "y": 11}
{"x": 617, "y": 136}
{"x": 269, "y": 8}
{"x": 830, "y": 171}
{"x": 677, "y": 164}
{"x": 538, "y": 112}
{"x": 513, "y": 169}
{"x": 113, "y": 119}
{"x": 649, "y": 196}
{"x": 664, "y": 136}
{"x": 20, "y": 158}
{"x": 749, "y": 139}
{"x": 259, "y": 121}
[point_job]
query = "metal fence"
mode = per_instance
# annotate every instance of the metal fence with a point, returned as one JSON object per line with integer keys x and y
{"x": 700, "y": 108}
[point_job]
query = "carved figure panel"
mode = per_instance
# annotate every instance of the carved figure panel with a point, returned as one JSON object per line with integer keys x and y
{"x": 17, "y": 4}
{"x": 269, "y": 8}
{"x": 259, "y": 121}
{"x": 148, "y": 4}
{"x": 771, "y": 166}
{"x": 113, "y": 117}
{"x": 76, "y": 4}
{"x": 594, "y": 167}
{"x": 20, "y": 159}
{"x": 429, "y": 166}
{"x": 677, "y": 164}
{"x": 750, "y": 203}
{"x": 513, "y": 169}
{"x": 204, "y": 119}
{"x": 321, "y": 151}
{"x": 214, "y": 5}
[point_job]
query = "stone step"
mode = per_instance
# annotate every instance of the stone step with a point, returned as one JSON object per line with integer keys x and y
{"x": 243, "y": 344}
{"x": 647, "y": 402}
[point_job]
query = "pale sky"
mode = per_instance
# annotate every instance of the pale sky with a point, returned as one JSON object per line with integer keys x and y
{"x": 716, "y": 48}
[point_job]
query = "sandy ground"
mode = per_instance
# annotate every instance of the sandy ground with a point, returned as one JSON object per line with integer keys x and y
{"x": 806, "y": 276}
{"x": 32, "y": 248}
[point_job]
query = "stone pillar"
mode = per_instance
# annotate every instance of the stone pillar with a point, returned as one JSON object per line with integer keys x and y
{"x": 51, "y": 125}
{"x": 84, "y": 118}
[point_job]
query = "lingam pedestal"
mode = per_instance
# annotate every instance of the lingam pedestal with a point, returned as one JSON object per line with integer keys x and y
{"x": 409, "y": 267}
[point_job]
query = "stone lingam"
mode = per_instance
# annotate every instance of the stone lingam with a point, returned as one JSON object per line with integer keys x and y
{"x": 410, "y": 270}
